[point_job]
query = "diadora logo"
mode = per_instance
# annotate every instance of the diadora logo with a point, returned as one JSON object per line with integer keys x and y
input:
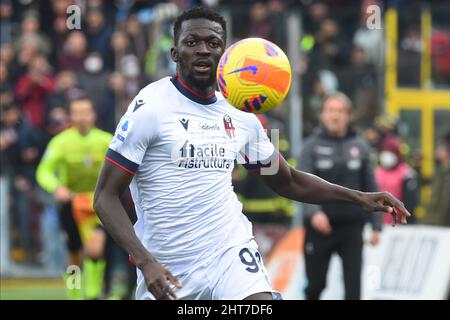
{"x": 184, "y": 122}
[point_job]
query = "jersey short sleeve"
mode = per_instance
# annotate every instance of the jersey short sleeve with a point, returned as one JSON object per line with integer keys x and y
{"x": 258, "y": 152}
{"x": 134, "y": 134}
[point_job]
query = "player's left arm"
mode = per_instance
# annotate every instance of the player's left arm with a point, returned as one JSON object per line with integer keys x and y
{"x": 301, "y": 186}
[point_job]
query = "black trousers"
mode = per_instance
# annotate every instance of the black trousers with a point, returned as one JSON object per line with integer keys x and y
{"x": 347, "y": 242}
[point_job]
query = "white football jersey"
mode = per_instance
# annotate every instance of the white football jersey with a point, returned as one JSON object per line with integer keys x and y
{"x": 181, "y": 148}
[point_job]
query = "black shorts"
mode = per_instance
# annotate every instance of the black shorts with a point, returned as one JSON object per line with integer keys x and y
{"x": 69, "y": 225}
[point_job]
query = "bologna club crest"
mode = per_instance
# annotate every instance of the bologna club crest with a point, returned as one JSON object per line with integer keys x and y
{"x": 228, "y": 125}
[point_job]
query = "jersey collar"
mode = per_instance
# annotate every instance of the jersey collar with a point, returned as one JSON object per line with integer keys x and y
{"x": 190, "y": 94}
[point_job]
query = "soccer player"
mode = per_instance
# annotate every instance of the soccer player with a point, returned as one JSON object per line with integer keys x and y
{"x": 69, "y": 170}
{"x": 176, "y": 145}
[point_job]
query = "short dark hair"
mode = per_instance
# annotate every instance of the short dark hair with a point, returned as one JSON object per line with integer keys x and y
{"x": 198, "y": 13}
{"x": 77, "y": 97}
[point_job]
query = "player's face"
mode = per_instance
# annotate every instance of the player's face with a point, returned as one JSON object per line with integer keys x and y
{"x": 198, "y": 51}
{"x": 82, "y": 115}
{"x": 335, "y": 116}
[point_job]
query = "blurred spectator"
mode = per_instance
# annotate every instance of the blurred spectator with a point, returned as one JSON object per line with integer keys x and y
{"x": 359, "y": 83}
{"x": 370, "y": 40}
{"x": 7, "y": 57}
{"x": 440, "y": 51}
{"x": 332, "y": 49}
{"x": 65, "y": 81}
{"x": 30, "y": 31}
{"x": 73, "y": 52}
{"x": 56, "y": 122}
{"x": 409, "y": 63}
{"x": 260, "y": 23}
{"x": 116, "y": 101}
{"x": 316, "y": 13}
{"x": 324, "y": 83}
{"x": 6, "y": 87}
{"x": 383, "y": 128}
{"x": 19, "y": 152}
{"x": 57, "y": 26}
{"x": 29, "y": 49}
{"x": 312, "y": 106}
{"x": 138, "y": 37}
{"x": 397, "y": 177}
{"x": 7, "y": 25}
{"x": 33, "y": 88}
{"x": 120, "y": 44}
{"x": 129, "y": 67}
{"x": 98, "y": 32}
{"x": 438, "y": 212}
{"x": 56, "y": 106}
{"x": 278, "y": 11}
{"x": 93, "y": 79}
{"x": 6, "y": 53}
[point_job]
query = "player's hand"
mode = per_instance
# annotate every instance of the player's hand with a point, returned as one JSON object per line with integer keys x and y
{"x": 62, "y": 194}
{"x": 320, "y": 222}
{"x": 159, "y": 280}
{"x": 375, "y": 238}
{"x": 385, "y": 202}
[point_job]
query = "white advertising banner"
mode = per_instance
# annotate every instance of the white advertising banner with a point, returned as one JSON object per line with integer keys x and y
{"x": 410, "y": 262}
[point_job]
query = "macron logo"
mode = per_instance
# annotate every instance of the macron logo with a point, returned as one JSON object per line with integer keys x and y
{"x": 184, "y": 123}
{"x": 139, "y": 103}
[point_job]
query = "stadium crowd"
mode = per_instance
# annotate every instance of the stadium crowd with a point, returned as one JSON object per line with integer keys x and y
{"x": 123, "y": 45}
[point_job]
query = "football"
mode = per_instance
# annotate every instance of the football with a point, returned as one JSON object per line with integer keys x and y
{"x": 254, "y": 75}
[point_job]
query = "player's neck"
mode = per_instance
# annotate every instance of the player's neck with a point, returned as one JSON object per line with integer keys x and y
{"x": 84, "y": 131}
{"x": 204, "y": 93}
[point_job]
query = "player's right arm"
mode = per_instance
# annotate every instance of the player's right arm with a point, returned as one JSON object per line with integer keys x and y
{"x": 112, "y": 183}
{"x": 125, "y": 154}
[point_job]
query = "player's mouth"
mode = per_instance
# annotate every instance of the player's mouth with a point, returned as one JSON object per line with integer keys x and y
{"x": 202, "y": 66}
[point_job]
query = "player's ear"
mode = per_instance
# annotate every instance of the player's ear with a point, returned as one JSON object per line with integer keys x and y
{"x": 174, "y": 54}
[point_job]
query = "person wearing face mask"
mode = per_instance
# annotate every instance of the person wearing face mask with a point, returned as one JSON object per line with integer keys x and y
{"x": 337, "y": 154}
{"x": 395, "y": 176}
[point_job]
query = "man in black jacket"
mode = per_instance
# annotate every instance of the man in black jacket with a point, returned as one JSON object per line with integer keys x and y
{"x": 336, "y": 154}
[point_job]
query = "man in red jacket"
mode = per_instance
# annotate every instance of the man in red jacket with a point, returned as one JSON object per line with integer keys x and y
{"x": 33, "y": 88}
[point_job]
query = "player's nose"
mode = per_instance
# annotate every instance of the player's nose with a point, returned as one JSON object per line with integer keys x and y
{"x": 202, "y": 48}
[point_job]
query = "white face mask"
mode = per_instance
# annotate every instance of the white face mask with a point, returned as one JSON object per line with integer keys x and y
{"x": 93, "y": 64}
{"x": 130, "y": 66}
{"x": 388, "y": 159}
